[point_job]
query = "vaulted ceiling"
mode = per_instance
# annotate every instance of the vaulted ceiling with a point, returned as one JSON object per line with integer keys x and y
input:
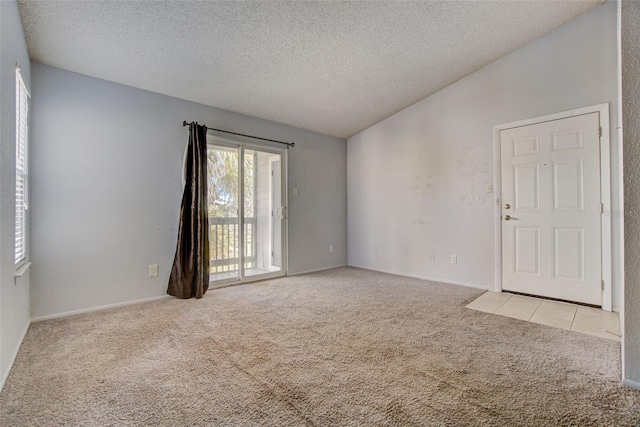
{"x": 331, "y": 67}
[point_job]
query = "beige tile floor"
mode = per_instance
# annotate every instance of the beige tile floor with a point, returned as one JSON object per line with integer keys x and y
{"x": 578, "y": 318}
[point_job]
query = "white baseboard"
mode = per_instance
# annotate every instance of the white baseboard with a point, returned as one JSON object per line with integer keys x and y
{"x": 297, "y": 273}
{"x": 98, "y": 308}
{"x": 5, "y": 375}
{"x": 431, "y": 279}
{"x": 632, "y": 384}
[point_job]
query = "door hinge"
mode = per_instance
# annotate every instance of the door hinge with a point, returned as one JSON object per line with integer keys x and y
{"x": 600, "y": 131}
{"x": 602, "y": 285}
{"x": 601, "y": 208}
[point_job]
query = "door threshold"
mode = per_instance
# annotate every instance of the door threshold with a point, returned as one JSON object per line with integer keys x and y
{"x": 552, "y": 299}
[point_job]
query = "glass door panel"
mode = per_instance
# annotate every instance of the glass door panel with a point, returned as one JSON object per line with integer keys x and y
{"x": 263, "y": 213}
{"x": 224, "y": 223}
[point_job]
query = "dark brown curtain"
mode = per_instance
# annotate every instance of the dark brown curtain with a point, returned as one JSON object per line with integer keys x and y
{"x": 190, "y": 272}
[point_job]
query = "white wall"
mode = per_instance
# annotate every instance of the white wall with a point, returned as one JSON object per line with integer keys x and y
{"x": 106, "y": 189}
{"x": 14, "y": 296}
{"x": 630, "y": 21}
{"x": 416, "y": 181}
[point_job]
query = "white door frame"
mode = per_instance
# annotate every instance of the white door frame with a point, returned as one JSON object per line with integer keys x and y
{"x": 271, "y": 161}
{"x": 605, "y": 192}
{"x": 283, "y": 152}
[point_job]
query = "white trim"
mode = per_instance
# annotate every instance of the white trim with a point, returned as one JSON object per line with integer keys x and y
{"x": 21, "y": 244}
{"x": 270, "y": 232}
{"x": 497, "y": 215}
{"x": 631, "y": 383}
{"x": 283, "y": 153}
{"x": 230, "y": 143}
{"x": 605, "y": 199}
{"x": 428, "y": 278}
{"x": 315, "y": 270}
{"x": 19, "y": 72}
{"x": 262, "y": 276}
{"x": 600, "y": 108}
{"x": 284, "y": 199}
{"x": 99, "y": 308}
{"x": 22, "y": 269}
{"x": 620, "y": 144}
{"x": 605, "y": 191}
{"x": 271, "y": 207}
{"x": 241, "y": 216}
{"x": 222, "y": 283}
{"x": 5, "y": 375}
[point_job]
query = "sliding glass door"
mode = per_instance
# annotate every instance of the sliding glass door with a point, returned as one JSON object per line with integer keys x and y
{"x": 246, "y": 213}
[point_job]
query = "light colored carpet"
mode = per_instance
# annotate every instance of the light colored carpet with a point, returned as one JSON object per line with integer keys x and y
{"x": 346, "y": 347}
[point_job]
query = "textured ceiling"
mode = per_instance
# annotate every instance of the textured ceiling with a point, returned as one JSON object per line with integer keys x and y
{"x": 330, "y": 67}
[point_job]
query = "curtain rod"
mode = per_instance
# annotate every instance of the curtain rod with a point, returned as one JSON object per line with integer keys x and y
{"x": 288, "y": 144}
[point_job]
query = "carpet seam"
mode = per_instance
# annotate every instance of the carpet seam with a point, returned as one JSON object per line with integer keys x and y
{"x": 264, "y": 384}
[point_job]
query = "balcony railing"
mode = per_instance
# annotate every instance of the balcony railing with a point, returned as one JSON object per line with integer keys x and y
{"x": 224, "y": 244}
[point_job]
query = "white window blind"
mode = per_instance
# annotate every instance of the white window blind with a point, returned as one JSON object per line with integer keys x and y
{"x": 22, "y": 138}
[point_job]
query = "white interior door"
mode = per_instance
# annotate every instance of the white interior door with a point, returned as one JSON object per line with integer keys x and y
{"x": 551, "y": 235}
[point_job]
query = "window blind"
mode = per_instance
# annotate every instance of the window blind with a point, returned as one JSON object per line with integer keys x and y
{"x": 22, "y": 135}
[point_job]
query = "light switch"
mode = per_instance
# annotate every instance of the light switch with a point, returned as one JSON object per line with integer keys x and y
{"x": 294, "y": 191}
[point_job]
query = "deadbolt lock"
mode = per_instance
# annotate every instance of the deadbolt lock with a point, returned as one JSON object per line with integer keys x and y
{"x": 507, "y": 206}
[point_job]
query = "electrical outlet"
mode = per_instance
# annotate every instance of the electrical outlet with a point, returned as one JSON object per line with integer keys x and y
{"x": 454, "y": 259}
{"x": 330, "y": 249}
{"x": 433, "y": 257}
{"x": 153, "y": 270}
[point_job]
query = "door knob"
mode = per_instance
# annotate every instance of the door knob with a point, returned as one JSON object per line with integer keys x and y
{"x": 509, "y": 218}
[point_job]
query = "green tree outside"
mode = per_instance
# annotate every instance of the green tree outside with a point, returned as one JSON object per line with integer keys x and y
{"x": 223, "y": 176}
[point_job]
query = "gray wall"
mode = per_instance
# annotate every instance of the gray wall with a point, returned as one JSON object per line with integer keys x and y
{"x": 416, "y": 181}
{"x": 631, "y": 130}
{"x": 14, "y": 296}
{"x": 106, "y": 189}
